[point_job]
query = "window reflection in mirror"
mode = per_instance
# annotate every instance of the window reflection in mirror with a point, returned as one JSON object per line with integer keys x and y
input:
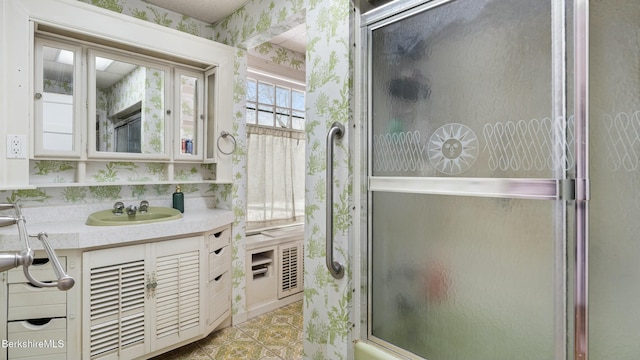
{"x": 130, "y": 107}
{"x": 57, "y": 98}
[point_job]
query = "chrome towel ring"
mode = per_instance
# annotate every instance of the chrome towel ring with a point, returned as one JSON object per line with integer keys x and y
{"x": 224, "y": 135}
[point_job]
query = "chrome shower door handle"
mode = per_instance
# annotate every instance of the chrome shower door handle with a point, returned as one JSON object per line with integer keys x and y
{"x": 335, "y": 268}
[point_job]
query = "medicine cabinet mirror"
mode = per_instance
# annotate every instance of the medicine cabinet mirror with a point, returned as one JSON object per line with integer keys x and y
{"x": 128, "y": 98}
{"x": 57, "y": 83}
{"x": 190, "y": 117}
{"x": 137, "y": 106}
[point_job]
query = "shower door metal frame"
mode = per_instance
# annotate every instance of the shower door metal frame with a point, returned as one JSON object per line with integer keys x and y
{"x": 581, "y": 113}
{"x": 560, "y": 189}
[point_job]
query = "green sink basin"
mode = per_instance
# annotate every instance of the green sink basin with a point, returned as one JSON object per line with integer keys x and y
{"x": 153, "y": 214}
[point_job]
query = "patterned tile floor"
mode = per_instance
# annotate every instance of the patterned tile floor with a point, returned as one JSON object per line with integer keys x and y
{"x": 276, "y": 335}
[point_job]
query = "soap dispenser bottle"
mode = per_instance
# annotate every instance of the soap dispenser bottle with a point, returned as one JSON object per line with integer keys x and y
{"x": 178, "y": 200}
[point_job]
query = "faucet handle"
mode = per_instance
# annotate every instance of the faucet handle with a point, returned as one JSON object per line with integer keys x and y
{"x": 144, "y": 205}
{"x": 118, "y": 208}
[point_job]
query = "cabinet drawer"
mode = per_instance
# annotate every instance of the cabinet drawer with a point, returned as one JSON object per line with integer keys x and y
{"x": 42, "y": 340}
{"x": 41, "y": 269}
{"x": 219, "y": 262}
{"x": 219, "y": 239}
{"x": 220, "y": 296}
{"x": 29, "y": 302}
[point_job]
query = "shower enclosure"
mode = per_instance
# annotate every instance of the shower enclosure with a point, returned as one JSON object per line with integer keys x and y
{"x": 502, "y": 144}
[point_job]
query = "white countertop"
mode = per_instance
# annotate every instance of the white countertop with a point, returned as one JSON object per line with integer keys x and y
{"x": 275, "y": 236}
{"x": 66, "y": 226}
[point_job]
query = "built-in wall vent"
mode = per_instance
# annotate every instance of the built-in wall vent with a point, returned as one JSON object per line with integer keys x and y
{"x": 117, "y": 295}
{"x": 177, "y": 293}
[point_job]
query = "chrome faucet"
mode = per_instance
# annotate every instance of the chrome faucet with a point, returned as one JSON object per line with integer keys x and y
{"x": 118, "y": 208}
{"x": 144, "y": 206}
{"x": 132, "y": 209}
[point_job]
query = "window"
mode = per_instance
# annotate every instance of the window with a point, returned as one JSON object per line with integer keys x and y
{"x": 275, "y": 151}
{"x": 275, "y": 105}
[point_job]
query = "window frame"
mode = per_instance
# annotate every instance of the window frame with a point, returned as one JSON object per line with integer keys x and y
{"x": 276, "y": 82}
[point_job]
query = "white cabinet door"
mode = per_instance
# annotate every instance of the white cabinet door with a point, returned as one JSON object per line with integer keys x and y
{"x": 57, "y": 99}
{"x": 290, "y": 269}
{"x": 177, "y": 301}
{"x": 113, "y": 301}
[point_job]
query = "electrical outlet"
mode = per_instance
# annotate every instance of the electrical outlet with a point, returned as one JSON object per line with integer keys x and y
{"x": 16, "y": 146}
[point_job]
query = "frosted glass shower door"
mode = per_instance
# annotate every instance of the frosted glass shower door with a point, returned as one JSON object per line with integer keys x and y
{"x": 466, "y": 146}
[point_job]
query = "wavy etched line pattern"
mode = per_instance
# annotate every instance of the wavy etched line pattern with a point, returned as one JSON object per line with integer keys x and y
{"x": 528, "y": 145}
{"x": 623, "y": 141}
{"x": 399, "y": 151}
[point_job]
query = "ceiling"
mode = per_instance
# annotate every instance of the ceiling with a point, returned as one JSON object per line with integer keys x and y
{"x": 211, "y": 11}
{"x": 208, "y": 11}
{"x": 294, "y": 39}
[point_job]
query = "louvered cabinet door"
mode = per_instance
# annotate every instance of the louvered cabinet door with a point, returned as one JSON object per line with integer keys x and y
{"x": 179, "y": 293}
{"x": 290, "y": 269}
{"x": 114, "y": 303}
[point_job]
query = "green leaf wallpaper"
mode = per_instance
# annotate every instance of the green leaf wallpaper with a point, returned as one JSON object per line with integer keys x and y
{"x": 147, "y": 12}
{"x": 328, "y": 77}
{"x": 327, "y": 304}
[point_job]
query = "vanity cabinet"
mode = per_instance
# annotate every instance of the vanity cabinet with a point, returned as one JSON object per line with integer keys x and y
{"x": 140, "y": 290}
{"x": 142, "y": 300}
{"x": 36, "y": 314}
{"x": 39, "y": 321}
{"x": 219, "y": 277}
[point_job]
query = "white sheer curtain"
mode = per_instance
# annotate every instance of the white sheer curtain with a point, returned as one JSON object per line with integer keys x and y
{"x": 275, "y": 167}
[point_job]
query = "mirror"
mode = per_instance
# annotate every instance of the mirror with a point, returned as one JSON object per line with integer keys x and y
{"x": 56, "y": 99}
{"x": 130, "y": 106}
{"x": 189, "y": 102}
{"x": 137, "y": 107}
{"x": 187, "y": 113}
